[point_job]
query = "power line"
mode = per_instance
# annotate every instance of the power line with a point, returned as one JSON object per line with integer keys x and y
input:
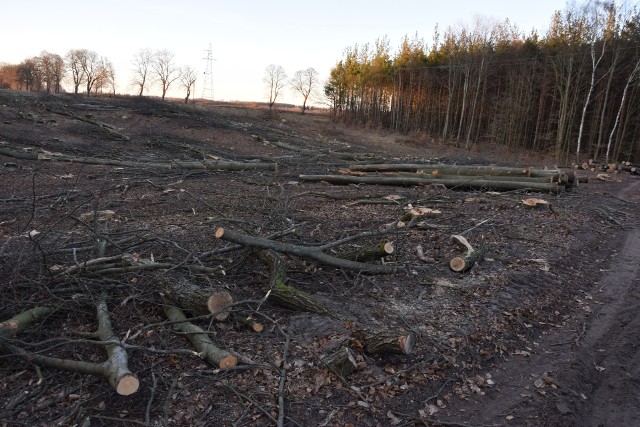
{"x": 207, "y": 87}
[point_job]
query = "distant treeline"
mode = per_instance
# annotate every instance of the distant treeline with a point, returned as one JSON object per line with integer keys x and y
{"x": 574, "y": 91}
{"x": 89, "y": 73}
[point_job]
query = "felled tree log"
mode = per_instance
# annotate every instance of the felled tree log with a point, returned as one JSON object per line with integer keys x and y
{"x": 275, "y": 264}
{"x": 118, "y": 373}
{"x": 301, "y": 251}
{"x": 456, "y": 170}
{"x": 460, "y": 177}
{"x": 370, "y": 252}
{"x": 200, "y": 340}
{"x": 470, "y": 184}
{"x": 115, "y": 368}
{"x": 199, "y": 301}
{"x": 288, "y": 296}
{"x": 297, "y": 300}
{"x": 174, "y": 164}
{"x": 381, "y": 341}
{"x": 342, "y": 362}
{"x": 111, "y": 130}
{"x": 18, "y": 323}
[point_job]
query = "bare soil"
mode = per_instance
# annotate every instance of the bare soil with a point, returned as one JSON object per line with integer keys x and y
{"x": 543, "y": 331}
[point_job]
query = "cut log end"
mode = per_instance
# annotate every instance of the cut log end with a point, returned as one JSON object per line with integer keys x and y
{"x": 127, "y": 385}
{"x": 228, "y": 362}
{"x": 388, "y": 247}
{"x": 457, "y": 264}
{"x": 218, "y": 300}
{"x": 342, "y": 362}
{"x": 250, "y": 323}
{"x": 407, "y": 342}
{"x": 219, "y": 232}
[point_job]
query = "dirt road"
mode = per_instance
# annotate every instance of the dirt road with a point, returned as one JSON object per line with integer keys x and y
{"x": 586, "y": 372}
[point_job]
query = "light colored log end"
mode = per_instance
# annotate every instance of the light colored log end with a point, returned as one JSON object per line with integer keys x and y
{"x": 219, "y": 232}
{"x": 218, "y": 300}
{"x": 253, "y": 325}
{"x": 389, "y": 248}
{"x": 407, "y": 342}
{"x": 228, "y": 362}
{"x": 457, "y": 264}
{"x": 127, "y": 385}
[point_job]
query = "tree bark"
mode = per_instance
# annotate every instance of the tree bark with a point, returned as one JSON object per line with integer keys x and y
{"x": 200, "y": 340}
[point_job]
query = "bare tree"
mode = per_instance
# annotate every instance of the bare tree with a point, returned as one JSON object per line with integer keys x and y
{"x": 111, "y": 76}
{"x": 141, "y": 68}
{"x": 165, "y": 69}
{"x": 633, "y": 75}
{"x": 274, "y": 80}
{"x": 74, "y": 63}
{"x": 9, "y": 76}
{"x": 59, "y": 72}
{"x": 45, "y": 66}
{"x": 305, "y": 83}
{"x": 29, "y": 75}
{"x": 188, "y": 77}
{"x": 85, "y": 67}
{"x": 105, "y": 77}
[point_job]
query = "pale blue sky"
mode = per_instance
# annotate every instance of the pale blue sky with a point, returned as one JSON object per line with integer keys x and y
{"x": 246, "y": 36}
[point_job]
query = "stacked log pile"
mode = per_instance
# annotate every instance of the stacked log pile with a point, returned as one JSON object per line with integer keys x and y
{"x": 615, "y": 168}
{"x": 455, "y": 177}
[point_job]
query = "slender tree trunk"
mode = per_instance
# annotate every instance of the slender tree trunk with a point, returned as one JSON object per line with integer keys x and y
{"x": 594, "y": 67}
{"x": 632, "y": 76}
{"x": 603, "y": 114}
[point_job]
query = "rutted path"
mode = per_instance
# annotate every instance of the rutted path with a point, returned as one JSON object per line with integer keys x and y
{"x": 586, "y": 373}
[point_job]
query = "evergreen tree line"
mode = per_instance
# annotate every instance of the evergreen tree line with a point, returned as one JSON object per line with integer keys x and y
{"x": 574, "y": 92}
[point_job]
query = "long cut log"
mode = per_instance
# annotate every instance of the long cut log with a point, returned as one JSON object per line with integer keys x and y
{"x": 471, "y": 184}
{"x": 172, "y": 164}
{"x": 301, "y": 251}
{"x": 455, "y": 170}
{"x": 121, "y": 378}
{"x": 200, "y": 340}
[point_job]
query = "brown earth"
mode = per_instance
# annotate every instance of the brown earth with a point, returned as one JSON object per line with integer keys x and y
{"x": 541, "y": 332}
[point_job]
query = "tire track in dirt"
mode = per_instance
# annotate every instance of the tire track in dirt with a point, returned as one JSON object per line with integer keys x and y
{"x": 607, "y": 365}
{"x": 593, "y": 383}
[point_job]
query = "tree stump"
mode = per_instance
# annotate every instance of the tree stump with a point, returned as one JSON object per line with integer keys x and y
{"x": 342, "y": 362}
